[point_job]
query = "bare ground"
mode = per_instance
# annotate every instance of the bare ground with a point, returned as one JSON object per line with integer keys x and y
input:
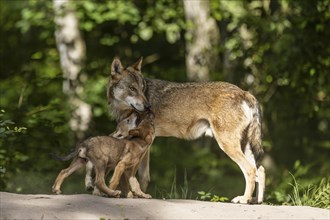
{"x": 82, "y": 206}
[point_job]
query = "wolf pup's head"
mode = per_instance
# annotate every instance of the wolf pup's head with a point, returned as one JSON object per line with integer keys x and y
{"x": 124, "y": 126}
{"x": 126, "y": 88}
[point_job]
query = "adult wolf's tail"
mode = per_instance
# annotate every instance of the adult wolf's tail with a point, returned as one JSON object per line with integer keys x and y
{"x": 254, "y": 129}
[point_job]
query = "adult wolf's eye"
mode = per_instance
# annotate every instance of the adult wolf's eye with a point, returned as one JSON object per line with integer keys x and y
{"x": 132, "y": 88}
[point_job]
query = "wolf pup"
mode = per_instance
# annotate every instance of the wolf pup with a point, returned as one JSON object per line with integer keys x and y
{"x": 122, "y": 131}
{"x": 189, "y": 110}
{"x": 107, "y": 153}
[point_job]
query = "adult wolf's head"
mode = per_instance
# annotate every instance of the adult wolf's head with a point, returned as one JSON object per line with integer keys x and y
{"x": 126, "y": 88}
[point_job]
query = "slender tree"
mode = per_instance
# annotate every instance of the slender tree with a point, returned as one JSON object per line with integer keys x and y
{"x": 72, "y": 50}
{"x": 203, "y": 40}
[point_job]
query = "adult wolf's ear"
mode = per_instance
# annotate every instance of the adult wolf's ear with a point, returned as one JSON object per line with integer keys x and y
{"x": 138, "y": 64}
{"x": 116, "y": 67}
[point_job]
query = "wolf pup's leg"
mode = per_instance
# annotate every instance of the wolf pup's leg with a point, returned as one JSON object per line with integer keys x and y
{"x": 124, "y": 187}
{"x": 100, "y": 183}
{"x": 76, "y": 164}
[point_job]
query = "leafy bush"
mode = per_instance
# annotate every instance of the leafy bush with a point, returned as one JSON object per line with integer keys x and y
{"x": 7, "y": 155}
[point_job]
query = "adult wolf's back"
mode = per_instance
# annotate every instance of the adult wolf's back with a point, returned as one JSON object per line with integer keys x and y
{"x": 190, "y": 110}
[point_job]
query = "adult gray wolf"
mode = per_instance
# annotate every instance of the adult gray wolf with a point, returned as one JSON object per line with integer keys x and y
{"x": 107, "y": 153}
{"x": 189, "y": 110}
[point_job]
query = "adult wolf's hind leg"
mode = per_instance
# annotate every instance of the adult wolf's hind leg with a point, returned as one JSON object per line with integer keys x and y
{"x": 230, "y": 144}
{"x": 261, "y": 184}
{"x": 76, "y": 164}
{"x": 259, "y": 177}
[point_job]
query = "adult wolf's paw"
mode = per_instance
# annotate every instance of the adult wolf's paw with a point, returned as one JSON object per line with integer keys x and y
{"x": 130, "y": 195}
{"x": 255, "y": 200}
{"x": 96, "y": 192}
{"x": 147, "y": 196}
{"x": 142, "y": 195}
{"x": 89, "y": 187}
{"x": 240, "y": 199}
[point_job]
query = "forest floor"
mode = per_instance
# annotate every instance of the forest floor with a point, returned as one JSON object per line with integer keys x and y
{"x": 82, "y": 206}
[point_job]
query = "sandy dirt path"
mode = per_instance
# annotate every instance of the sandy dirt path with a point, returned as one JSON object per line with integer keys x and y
{"x": 82, "y": 206}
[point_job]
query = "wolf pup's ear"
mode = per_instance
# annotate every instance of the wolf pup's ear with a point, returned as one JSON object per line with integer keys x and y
{"x": 116, "y": 67}
{"x": 138, "y": 64}
{"x": 134, "y": 133}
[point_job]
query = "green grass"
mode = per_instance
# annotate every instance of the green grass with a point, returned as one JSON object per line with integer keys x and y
{"x": 313, "y": 195}
{"x": 176, "y": 192}
{"x": 183, "y": 192}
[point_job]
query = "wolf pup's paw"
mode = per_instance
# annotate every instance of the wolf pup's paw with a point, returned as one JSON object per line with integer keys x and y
{"x": 116, "y": 193}
{"x": 56, "y": 191}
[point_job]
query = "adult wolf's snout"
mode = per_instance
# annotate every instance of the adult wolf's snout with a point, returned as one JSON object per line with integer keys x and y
{"x": 144, "y": 103}
{"x": 139, "y": 103}
{"x": 141, "y": 107}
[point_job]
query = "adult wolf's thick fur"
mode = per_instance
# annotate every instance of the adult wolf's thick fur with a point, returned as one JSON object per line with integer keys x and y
{"x": 189, "y": 110}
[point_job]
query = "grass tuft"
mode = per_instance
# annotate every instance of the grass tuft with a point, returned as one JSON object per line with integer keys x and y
{"x": 313, "y": 195}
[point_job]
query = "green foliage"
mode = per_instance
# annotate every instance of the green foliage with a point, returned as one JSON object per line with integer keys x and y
{"x": 204, "y": 195}
{"x": 301, "y": 188}
{"x": 8, "y": 156}
{"x": 207, "y": 196}
{"x": 5, "y": 129}
{"x": 181, "y": 192}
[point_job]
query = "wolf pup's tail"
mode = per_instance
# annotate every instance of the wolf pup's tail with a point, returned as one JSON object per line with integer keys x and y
{"x": 66, "y": 157}
{"x": 254, "y": 129}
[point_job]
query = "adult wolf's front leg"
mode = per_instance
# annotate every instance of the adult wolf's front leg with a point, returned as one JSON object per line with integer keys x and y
{"x": 135, "y": 186}
{"x": 89, "y": 182}
{"x": 144, "y": 172}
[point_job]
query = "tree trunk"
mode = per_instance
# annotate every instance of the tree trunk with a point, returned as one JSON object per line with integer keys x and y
{"x": 203, "y": 40}
{"x": 71, "y": 47}
{"x": 227, "y": 65}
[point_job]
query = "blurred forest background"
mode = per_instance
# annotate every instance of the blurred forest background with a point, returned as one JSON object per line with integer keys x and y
{"x": 55, "y": 62}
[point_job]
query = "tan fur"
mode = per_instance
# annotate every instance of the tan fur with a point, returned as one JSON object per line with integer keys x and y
{"x": 190, "y": 110}
{"x": 107, "y": 153}
{"x": 122, "y": 131}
